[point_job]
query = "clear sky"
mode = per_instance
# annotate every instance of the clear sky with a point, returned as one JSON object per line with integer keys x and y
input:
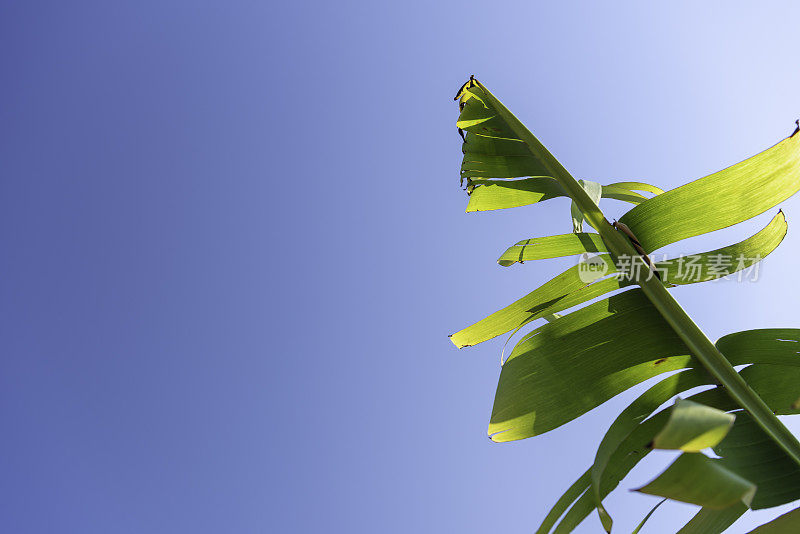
{"x": 233, "y": 245}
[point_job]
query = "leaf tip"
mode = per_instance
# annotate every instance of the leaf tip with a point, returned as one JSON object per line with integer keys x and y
{"x": 466, "y": 85}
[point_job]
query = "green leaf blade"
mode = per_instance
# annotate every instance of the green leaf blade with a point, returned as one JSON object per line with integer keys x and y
{"x": 627, "y": 421}
{"x": 561, "y": 292}
{"x": 749, "y": 452}
{"x": 637, "y": 186}
{"x": 564, "y": 369}
{"x": 554, "y": 246}
{"x": 649, "y": 514}
{"x": 725, "y": 261}
{"x": 719, "y": 200}
{"x": 788, "y": 523}
{"x": 696, "y": 479}
{"x": 502, "y": 194}
{"x": 693, "y": 427}
{"x": 708, "y": 521}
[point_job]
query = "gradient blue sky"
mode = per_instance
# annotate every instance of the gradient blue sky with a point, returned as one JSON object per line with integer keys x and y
{"x": 233, "y": 245}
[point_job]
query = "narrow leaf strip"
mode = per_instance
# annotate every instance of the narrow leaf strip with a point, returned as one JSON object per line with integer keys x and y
{"x": 727, "y": 260}
{"x": 625, "y": 458}
{"x": 579, "y": 296}
{"x": 617, "y": 193}
{"x": 630, "y": 452}
{"x": 525, "y": 309}
{"x": 564, "y": 502}
{"x": 708, "y": 521}
{"x": 554, "y": 246}
{"x": 575, "y": 515}
{"x": 497, "y": 194}
{"x": 697, "y": 479}
{"x": 630, "y": 418}
{"x": 637, "y": 186}
{"x": 502, "y": 194}
{"x": 693, "y": 427}
{"x": 640, "y": 525}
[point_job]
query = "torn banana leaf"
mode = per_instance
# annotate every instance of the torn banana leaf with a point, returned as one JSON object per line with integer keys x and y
{"x": 497, "y": 194}
{"x": 529, "y": 400}
{"x": 491, "y": 147}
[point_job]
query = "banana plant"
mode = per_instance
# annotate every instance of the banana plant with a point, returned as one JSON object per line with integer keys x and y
{"x": 575, "y": 361}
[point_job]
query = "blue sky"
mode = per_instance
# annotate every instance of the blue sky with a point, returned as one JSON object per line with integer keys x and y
{"x": 233, "y": 245}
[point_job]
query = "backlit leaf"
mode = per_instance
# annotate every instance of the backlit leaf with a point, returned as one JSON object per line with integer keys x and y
{"x": 529, "y": 307}
{"x": 693, "y": 427}
{"x": 553, "y": 246}
{"x": 719, "y": 200}
{"x": 727, "y": 260}
{"x": 565, "y": 368}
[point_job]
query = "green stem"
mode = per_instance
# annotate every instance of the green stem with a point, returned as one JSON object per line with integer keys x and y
{"x": 701, "y": 347}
